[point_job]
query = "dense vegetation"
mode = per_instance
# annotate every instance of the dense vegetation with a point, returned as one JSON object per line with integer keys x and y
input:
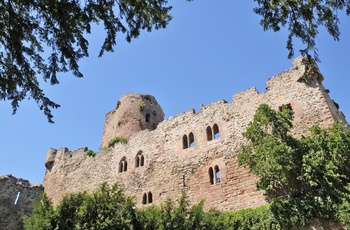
{"x": 109, "y": 208}
{"x": 305, "y": 180}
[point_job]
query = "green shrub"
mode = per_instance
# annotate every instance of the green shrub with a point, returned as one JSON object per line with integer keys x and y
{"x": 90, "y": 153}
{"x": 142, "y": 105}
{"x": 103, "y": 149}
{"x": 117, "y": 139}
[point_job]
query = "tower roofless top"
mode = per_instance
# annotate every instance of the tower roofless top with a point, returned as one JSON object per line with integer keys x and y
{"x": 134, "y": 112}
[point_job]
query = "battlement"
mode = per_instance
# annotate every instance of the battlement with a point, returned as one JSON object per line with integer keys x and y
{"x": 193, "y": 151}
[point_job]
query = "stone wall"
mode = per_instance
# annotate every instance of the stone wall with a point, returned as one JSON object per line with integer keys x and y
{"x": 129, "y": 117}
{"x": 12, "y": 210}
{"x": 177, "y": 156}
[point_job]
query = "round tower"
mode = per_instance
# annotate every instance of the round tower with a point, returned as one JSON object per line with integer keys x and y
{"x": 134, "y": 112}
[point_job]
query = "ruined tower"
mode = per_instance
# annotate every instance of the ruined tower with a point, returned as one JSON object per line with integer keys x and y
{"x": 134, "y": 112}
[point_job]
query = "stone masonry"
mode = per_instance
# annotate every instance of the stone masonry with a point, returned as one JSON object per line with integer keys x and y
{"x": 13, "y": 209}
{"x": 193, "y": 152}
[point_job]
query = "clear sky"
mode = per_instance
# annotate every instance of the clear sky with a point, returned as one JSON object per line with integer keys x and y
{"x": 210, "y": 51}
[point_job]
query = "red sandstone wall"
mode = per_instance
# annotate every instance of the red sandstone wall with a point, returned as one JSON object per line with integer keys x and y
{"x": 169, "y": 169}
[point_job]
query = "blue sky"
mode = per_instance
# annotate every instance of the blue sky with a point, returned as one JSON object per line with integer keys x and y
{"x": 210, "y": 51}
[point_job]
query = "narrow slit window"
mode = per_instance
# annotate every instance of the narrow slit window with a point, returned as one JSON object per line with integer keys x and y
{"x": 217, "y": 174}
{"x": 137, "y": 161}
{"x": 142, "y": 161}
{"x": 150, "y": 197}
{"x": 209, "y": 134}
{"x": 125, "y": 166}
{"x": 144, "y": 198}
{"x": 148, "y": 117}
{"x": 184, "y": 142}
{"x": 211, "y": 175}
{"x": 216, "y": 131}
{"x": 191, "y": 139}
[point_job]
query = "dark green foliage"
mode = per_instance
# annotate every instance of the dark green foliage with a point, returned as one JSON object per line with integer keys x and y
{"x": 115, "y": 140}
{"x": 306, "y": 179}
{"x": 258, "y": 218}
{"x": 42, "y": 217}
{"x": 109, "y": 208}
{"x": 169, "y": 216}
{"x": 106, "y": 208}
{"x": 343, "y": 214}
{"x": 90, "y": 153}
{"x": 302, "y": 19}
{"x": 272, "y": 152}
{"x": 28, "y": 28}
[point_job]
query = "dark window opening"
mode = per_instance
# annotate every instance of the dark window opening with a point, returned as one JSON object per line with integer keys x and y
{"x": 148, "y": 117}
{"x": 216, "y": 131}
{"x": 144, "y": 198}
{"x": 139, "y": 159}
{"x": 142, "y": 161}
{"x": 211, "y": 175}
{"x": 137, "y": 162}
{"x": 191, "y": 139}
{"x": 150, "y": 198}
{"x": 147, "y": 198}
{"x": 184, "y": 142}
{"x": 123, "y": 165}
{"x": 209, "y": 134}
{"x": 217, "y": 174}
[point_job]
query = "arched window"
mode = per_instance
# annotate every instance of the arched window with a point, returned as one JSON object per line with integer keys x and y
{"x": 147, "y": 198}
{"x": 184, "y": 142}
{"x": 191, "y": 139}
{"x": 217, "y": 174}
{"x": 144, "y": 198}
{"x": 216, "y": 131}
{"x": 123, "y": 165}
{"x": 211, "y": 175}
{"x": 139, "y": 159}
{"x": 150, "y": 198}
{"x": 142, "y": 161}
{"x": 209, "y": 134}
{"x": 148, "y": 117}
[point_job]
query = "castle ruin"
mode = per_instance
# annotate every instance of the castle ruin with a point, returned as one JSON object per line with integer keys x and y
{"x": 17, "y": 197}
{"x": 192, "y": 152}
